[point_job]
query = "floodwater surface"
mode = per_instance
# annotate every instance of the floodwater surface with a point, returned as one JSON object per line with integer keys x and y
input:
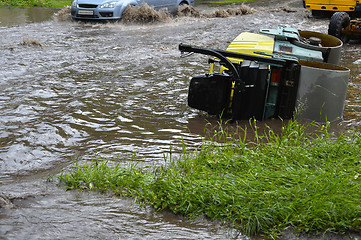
{"x": 115, "y": 90}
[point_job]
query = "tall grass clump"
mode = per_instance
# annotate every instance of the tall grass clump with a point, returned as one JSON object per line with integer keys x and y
{"x": 309, "y": 181}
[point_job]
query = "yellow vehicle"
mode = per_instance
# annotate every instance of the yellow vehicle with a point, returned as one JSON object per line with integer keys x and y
{"x": 319, "y": 7}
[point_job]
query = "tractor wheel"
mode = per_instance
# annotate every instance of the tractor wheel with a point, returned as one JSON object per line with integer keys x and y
{"x": 338, "y": 22}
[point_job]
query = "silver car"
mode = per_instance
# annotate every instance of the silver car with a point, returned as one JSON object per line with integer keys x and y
{"x": 113, "y": 9}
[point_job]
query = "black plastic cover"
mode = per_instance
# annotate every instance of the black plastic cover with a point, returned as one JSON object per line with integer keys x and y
{"x": 250, "y": 102}
{"x": 286, "y": 101}
{"x": 210, "y": 92}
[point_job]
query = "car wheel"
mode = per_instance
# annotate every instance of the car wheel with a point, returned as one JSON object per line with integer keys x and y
{"x": 184, "y": 3}
{"x": 339, "y": 21}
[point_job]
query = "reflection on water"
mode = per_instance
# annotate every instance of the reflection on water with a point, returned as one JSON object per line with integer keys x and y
{"x": 352, "y": 59}
{"x": 21, "y": 16}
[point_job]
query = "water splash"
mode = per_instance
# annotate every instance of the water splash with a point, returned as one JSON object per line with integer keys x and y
{"x": 188, "y": 11}
{"x": 221, "y": 13}
{"x": 63, "y": 14}
{"x": 144, "y": 14}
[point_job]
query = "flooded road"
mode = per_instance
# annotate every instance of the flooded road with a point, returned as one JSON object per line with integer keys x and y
{"x": 71, "y": 89}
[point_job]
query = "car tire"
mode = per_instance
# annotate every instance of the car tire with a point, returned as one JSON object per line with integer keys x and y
{"x": 184, "y": 3}
{"x": 338, "y": 22}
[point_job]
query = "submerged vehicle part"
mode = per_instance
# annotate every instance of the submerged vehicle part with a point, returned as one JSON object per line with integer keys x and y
{"x": 255, "y": 81}
{"x": 321, "y": 91}
{"x": 342, "y": 27}
{"x": 240, "y": 84}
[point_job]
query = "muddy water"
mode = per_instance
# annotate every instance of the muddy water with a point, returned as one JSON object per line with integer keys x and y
{"x": 73, "y": 89}
{"x": 16, "y": 16}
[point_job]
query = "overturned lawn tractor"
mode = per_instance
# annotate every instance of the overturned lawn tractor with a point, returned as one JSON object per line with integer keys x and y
{"x": 342, "y": 27}
{"x": 279, "y": 73}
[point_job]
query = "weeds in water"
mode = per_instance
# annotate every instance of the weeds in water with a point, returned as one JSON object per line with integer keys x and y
{"x": 308, "y": 181}
{"x": 29, "y": 42}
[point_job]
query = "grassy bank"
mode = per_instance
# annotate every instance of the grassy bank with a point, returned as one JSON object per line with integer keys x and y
{"x": 309, "y": 183}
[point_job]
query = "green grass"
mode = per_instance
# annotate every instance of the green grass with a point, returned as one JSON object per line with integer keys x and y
{"x": 307, "y": 180}
{"x": 35, "y": 3}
